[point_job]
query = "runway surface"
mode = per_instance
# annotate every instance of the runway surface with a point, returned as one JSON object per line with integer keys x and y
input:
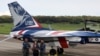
{"x": 13, "y": 47}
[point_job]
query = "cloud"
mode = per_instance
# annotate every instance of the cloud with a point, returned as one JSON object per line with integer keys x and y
{"x": 5, "y": 13}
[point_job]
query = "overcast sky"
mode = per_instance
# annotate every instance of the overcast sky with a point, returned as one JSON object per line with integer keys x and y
{"x": 56, "y": 7}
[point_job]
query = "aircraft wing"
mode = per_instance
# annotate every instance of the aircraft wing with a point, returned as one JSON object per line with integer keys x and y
{"x": 47, "y": 33}
{"x": 67, "y": 34}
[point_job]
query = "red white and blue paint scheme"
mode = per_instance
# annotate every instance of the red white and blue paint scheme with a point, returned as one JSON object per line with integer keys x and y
{"x": 26, "y": 26}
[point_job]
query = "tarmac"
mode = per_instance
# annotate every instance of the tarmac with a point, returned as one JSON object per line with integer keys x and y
{"x": 13, "y": 47}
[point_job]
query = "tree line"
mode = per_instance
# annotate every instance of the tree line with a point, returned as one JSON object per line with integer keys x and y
{"x": 56, "y": 19}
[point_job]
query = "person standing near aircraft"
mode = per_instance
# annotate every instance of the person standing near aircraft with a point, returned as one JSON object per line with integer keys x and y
{"x": 35, "y": 49}
{"x": 42, "y": 48}
{"x": 26, "y": 47}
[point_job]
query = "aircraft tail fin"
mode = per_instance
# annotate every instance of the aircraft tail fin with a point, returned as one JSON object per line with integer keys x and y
{"x": 21, "y": 18}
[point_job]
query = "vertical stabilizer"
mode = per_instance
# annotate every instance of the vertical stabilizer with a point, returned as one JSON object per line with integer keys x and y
{"x": 21, "y": 18}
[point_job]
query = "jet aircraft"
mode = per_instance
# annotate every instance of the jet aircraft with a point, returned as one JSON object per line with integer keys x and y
{"x": 25, "y": 26}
